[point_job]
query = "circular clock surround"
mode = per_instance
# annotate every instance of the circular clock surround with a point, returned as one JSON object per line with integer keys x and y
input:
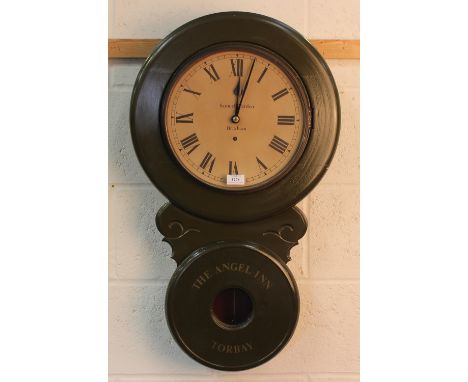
{"x": 147, "y": 117}
{"x": 245, "y": 145}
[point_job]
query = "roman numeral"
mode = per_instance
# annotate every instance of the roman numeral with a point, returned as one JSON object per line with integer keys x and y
{"x": 281, "y": 93}
{"x": 184, "y": 118}
{"x": 192, "y": 149}
{"x": 191, "y": 91}
{"x": 261, "y": 164}
{"x": 233, "y": 168}
{"x": 237, "y": 67}
{"x": 286, "y": 119}
{"x": 278, "y": 144}
{"x": 189, "y": 141}
{"x": 211, "y": 71}
{"x": 208, "y": 157}
{"x": 262, "y": 74}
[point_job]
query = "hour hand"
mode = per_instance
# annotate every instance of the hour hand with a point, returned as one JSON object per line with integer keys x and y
{"x": 237, "y": 91}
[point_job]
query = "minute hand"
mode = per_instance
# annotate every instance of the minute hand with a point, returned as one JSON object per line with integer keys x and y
{"x": 238, "y": 106}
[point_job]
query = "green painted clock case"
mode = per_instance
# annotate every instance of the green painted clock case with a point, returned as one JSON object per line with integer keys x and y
{"x": 147, "y": 127}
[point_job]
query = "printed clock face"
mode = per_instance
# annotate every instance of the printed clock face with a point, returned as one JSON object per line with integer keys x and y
{"x": 237, "y": 117}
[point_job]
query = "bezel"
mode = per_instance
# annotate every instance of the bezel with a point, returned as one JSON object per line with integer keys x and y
{"x": 288, "y": 71}
{"x": 185, "y": 191}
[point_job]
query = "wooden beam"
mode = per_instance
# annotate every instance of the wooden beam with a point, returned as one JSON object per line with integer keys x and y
{"x": 142, "y": 48}
{"x": 338, "y": 49}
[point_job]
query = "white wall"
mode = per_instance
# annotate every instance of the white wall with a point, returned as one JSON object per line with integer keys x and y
{"x": 325, "y": 346}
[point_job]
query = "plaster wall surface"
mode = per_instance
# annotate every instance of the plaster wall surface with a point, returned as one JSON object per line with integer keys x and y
{"x": 325, "y": 346}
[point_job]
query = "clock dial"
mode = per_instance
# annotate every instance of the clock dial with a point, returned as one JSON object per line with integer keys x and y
{"x": 237, "y": 111}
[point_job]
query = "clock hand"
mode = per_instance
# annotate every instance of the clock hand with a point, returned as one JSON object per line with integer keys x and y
{"x": 238, "y": 106}
{"x": 235, "y": 117}
{"x": 237, "y": 91}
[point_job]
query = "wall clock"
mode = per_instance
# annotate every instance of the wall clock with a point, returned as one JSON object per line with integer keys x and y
{"x": 235, "y": 118}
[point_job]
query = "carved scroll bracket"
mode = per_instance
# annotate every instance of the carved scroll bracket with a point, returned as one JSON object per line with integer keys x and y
{"x": 185, "y": 232}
